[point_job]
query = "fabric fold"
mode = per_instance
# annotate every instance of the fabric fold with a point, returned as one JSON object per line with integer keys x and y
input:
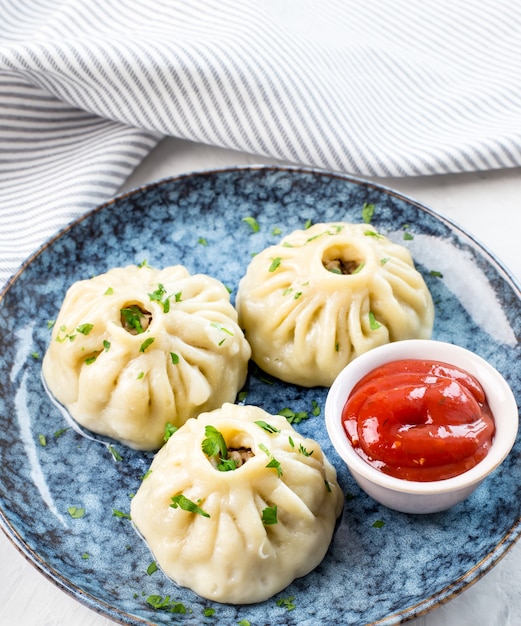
{"x": 88, "y": 87}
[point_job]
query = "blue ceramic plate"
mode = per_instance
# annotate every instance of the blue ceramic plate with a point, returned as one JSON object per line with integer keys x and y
{"x": 382, "y": 566}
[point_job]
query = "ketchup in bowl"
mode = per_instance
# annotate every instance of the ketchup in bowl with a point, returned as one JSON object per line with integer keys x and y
{"x": 419, "y": 420}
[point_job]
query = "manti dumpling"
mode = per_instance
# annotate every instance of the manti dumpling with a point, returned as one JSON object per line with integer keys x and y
{"x": 325, "y": 295}
{"x": 237, "y": 505}
{"x": 136, "y": 348}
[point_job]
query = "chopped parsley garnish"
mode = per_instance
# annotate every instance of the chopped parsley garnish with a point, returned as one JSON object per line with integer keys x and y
{"x": 174, "y": 357}
{"x": 252, "y": 223}
{"x": 109, "y": 291}
{"x": 115, "y": 454}
{"x": 144, "y": 263}
{"x": 85, "y": 556}
{"x": 202, "y": 241}
{"x": 292, "y": 417}
{"x": 436, "y": 274}
{"x": 152, "y": 568}
{"x": 308, "y": 224}
{"x": 166, "y": 604}
{"x": 367, "y": 212}
{"x": 133, "y": 318}
{"x": 120, "y": 514}
{"x": 384, "y": 260}
{"x": 140, "y": 375}
{"x": 160, "y": 296}
{"x": 85, "y": 329}
{"x": 407, "y": 236}
{"x": 90, "y": 359}
{"x": 42, "y": 440}
{"x": 60, "y": 432}
{"x": 373, "y": 233}
{"x": 273, "y": 463}
{"x": 275, "y": 263}
{"x": 287, "y": 603}
{"x": 184, "y": 503}
{"x": 148, "y": 342}
{"x": 243, "y": 622}
{"x": 50, "y": 324}
{"x": 169, "y": 431}
{"x": 269, "y": 515}
{"x": 267, "y": 427}
{"x": 328, "y": 486}
{"x": 106, "y": 345}
{"x": 315, "y": 411}
{"x": 373, "y": 323}
{"x": 76, "y": 512}
{"x": 208, "y": 612}
{"x": 35, "y": 355}
{"x": 276, "y": 231}
{"x": 242, "y": 396}
{"x": 303, "y": 451}
{"x": 214, "y": 446}
{"x": 378, "y": 524}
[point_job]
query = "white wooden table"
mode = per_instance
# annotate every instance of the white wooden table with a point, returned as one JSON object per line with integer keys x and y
{"x": 488, "y": 206}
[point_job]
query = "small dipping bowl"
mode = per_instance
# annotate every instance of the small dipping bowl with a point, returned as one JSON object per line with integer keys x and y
{"x": 414, "y": 496}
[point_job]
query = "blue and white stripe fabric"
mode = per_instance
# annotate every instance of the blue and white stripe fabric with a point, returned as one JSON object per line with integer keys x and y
{"x": 372, "y": 87}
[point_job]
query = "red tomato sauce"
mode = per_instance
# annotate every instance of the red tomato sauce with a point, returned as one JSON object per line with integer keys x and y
{"x": 419, "y": 420}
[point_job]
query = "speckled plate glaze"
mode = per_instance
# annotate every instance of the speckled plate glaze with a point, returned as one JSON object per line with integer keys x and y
{"x": 373, "y": 573}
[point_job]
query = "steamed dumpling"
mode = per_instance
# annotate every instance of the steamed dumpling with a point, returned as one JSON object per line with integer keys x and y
{"x": 137, "y": 347}
{"x": 325, "y": 295}
{"x": 256, "y": 527}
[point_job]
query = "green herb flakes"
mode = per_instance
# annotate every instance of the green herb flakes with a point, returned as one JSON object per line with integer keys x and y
{"x": 90, "y": 359}
{"x": 252, "y": 223}
{"x": 436, "y": 274}
{"x": 308, "y": 224}
{"x": 214, "y": 446}
{"x": 115, "y": 454}
{"x": 208, "y": 612}
{"x": 267, "y": 427}
{"x": 120, "y": 514}
{"x": 276, "y": 231}
{"x": 269, "y": 515}
{"x": 166, "y": 604}
{"x": 106, "y": 345}
{"x": 174, "y": 357}
{"x": 292, "y": 417}
{"x": 42, "y": 440}
{"x": 50, "y": 324}
{"x": 287, "y": 603}
{"x": 140, "y": 375}
{"x": 76, "y": 512}
{"x": 169, "y": 431}
{"x": 109, "y": 291}
{"x": 85, "y": 329}
{"x": 243, "y": 622}
{"x": 152, "y": 568}
{"x": 185, "y": 504}
{"x": 147, "y": 343}
{"x": 367, "y": 212}
{"x": 407, "y": 236}
{"x": 35, "y": 355}
{"x": 373, "y": 323}
{"x": 202, "y": 241}
{"x": 85, "y": 556}
{"x": 61, "y": 432}
{"x": 378, "y": 524}
{"x": 315, "y": 411}
{"x": 275, "y": 263}
{"x": 303, "y": 451}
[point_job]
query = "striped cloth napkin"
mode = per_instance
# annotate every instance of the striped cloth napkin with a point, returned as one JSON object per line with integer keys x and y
{"x": 372, "y": 87}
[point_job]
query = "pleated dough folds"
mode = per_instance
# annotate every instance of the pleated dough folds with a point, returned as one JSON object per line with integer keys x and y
{"x": 137, "y": 347}
{"x": 325, "y": 295}
{"x": 229, "y": 554}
